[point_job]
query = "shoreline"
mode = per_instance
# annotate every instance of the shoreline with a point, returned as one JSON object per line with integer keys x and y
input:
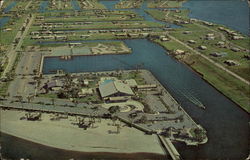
{"x": 97, "y": 139}
{"x": 67, "y": 154}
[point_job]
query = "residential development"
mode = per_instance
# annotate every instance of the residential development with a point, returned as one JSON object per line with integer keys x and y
{"x": 113, "y": 79}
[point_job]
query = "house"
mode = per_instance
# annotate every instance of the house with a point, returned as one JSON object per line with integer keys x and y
{"x": 115, "y": 89}
{"x": 208, "y": 23}
{"x": 164, "y": 38}
{"x": 210, "y": 36}
{"x": 133, "y": 35}
{"x": 202, "y": 47}
{"x": 118, "y": 99}
{"x": 179, "y": 52}
{"x": 235, "y": 49}
{"x": 85, "y": 36}
{"x": 86, "y": 82}
{"x": 121, "y": 35}
{"x": 220, "y": 43}
{"x": 238, "y": 37}
{"x": 187, "y": 32}
{"x": 215, "y": 54}
{"x": 8, "y": 29}
{"x": 85, "y": 91}
{"x": 247, "y": 56}
{"x": 53, "y": 85}
{"x": 144, "y": 34}
{"x": 231, "y": 62}
{"x": 191, "y": 41}
{"x": 131, "y": 82}
{"x": 146, "y": 86}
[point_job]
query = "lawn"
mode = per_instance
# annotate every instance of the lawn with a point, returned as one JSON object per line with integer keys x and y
{"x": 236, "y": 90}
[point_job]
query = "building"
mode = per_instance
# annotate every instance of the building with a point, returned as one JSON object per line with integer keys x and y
{"x": 52, "y": 85}
{"x": 179, "y": 52}
{"x": 114, "y": 89}
{"x": 231, "y": 63}
{"x": 191, "y": 41}
{"x": 85, "y": 91}
{"x": 202, "y": 47}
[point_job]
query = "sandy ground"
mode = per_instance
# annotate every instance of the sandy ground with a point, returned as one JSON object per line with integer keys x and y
{"x": 64, "y": 135}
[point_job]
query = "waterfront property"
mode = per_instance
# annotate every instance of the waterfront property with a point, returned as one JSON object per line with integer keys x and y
{"x": 133, "y": 80}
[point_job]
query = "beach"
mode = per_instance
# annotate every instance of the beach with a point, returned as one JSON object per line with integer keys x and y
{"x": 64, "y": 134}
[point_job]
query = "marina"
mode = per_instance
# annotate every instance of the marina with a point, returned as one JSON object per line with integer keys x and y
{"x": 197, "y": 119}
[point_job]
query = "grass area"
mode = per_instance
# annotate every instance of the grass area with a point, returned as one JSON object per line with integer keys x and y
{"x": 91, "y": 4}
{"x": 171, "y": 45}
{"x": 4, "y": 88}
{"x": 165, "y": 4}
{"x": 88, "y": 18}
{"x": 6, "y": 4}
{"x": 109, "y": 25}
{"x": 236, "y": 90}
{"x": 129, "y": 4}
{"x": 48, "y": 95}
{"x": 168, "y": 15}
{"x": 7, "y": 37}
{"x": 199, "y": 34}
{"x": 71, "y": 13}
{"x": 20, "y": 5}
{"x": 59, "y": 5}
{"x": 133, "y": 75}
{"x": 90, "y": 98}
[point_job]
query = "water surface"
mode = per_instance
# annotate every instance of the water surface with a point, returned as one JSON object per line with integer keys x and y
{"x": 222, "y": 118}
{"x": 232, "y": 13}
{"x": 9, "y": 7}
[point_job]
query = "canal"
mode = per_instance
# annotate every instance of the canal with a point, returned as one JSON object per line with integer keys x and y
{"x": 226, "y": 123}
{"x": 222, "y": 118}
{"x": 4, "y": 20}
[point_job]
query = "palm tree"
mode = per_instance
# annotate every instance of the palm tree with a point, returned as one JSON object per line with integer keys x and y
{"x": 75, "y": 101}
{"x": 20, "y": 98}
{"x": 118, "y": 127}
{"x": 29, "y": 98}
{"x": 53, "y": 101}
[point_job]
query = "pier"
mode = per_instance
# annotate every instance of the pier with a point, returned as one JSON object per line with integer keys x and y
{"x": 167, "y": 144}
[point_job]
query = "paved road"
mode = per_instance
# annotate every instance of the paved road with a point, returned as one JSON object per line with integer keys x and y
{"x": 210, "y": 60}
{"x": 12, "y": 54}
{"x": 27, "y": 6}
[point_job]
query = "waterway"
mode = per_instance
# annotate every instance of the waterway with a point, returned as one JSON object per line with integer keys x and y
{"x": 75, "y": 5}
{"x": 222, "y": 118}
{"x": 226, "y": 123}
{"x": 5, "y": 20}
{"x": 43, "y": 6}
{"x": 232, "y": 13}
{"x": 9, "y": 7}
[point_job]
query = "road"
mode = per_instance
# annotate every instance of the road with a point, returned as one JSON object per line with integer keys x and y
{"x": 12, "y": 54}
{"x": 210, "y": 60}
{"x": 27, "y": 6}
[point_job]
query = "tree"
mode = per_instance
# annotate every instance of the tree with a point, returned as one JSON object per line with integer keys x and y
{"x": 29, "y": 98}
{"x": 118, "y": 127}
{"x": 20, "y": 99}
{"x": 53, "y": 101}
{"x": 114, "y": 109}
